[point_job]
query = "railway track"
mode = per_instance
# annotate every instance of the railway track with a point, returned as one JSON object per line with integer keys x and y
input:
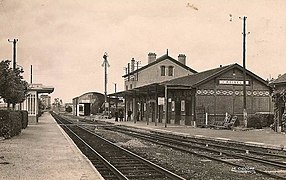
{"x": 112, "y": 161}
{"x": 242, "y": 157}
{"x": 269, "y": 164}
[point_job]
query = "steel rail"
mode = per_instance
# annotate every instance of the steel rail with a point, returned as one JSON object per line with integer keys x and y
{"x": 113, "y": 169}
{"x": 207, "y": 144}
{"x": 155, "y": 140}
{"x": 152, "y": 165}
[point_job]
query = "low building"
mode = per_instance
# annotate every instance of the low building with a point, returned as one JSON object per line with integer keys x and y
{"x": 87, "y": 104}
{"x": 219, "y": 91}
{"x": 31, "y": 103}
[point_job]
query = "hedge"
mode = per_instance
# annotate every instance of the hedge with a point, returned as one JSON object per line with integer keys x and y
{"x": 10, "y": 123}
{"x": 5, "y": 124}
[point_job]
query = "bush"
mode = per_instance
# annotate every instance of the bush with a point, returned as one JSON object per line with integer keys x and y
{"x": 69, "y": 109}
{"x": 260, "y": 120}
{"x": 267, "y": 119}
{"x": 16, "y": 122}
{"x": 254, "y": 122}
{"x": 10, "y": 123}
{"x": 5, "y": 124}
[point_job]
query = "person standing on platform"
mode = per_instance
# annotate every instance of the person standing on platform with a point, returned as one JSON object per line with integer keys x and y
{"x": 129, "y": 115}
{"x": 121, "y": 116}
{"x": 116, "y": 116}
{"x": 138, "y": 116}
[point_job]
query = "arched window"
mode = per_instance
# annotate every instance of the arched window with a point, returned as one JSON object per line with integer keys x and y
{"x": 163, "y": 70}
{"x": 171, "y": 71}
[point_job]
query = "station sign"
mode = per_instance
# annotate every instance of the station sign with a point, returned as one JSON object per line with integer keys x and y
{"x": 161, "y": 100}
{"x": 85, "y": 101}
{"x": 232, "y": 82}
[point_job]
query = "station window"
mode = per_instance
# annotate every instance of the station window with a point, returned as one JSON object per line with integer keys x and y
{"x": 126, "y": 87}
{"x": 130, "y": 86}
{"x": 171, "y": 71}
{"x": 163, "y": 70}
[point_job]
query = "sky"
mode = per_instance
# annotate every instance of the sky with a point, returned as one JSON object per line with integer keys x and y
{"x": 65, "y": 40}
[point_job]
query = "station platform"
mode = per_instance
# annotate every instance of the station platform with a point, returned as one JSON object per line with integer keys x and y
{"x": 44, "y": 151}
{"x": 256, "y": 137}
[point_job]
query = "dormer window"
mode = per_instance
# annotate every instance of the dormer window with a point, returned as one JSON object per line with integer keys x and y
{"x": 171, "y": 71}
{"x": 163, "y": 70}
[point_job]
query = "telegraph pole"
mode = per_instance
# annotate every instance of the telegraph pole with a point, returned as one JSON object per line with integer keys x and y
{"x": 244, "y": 72}
{"x": 31, "y": 74}
{"x": 105, "y": 64}
{"x": 116, "y": 100}
{"x": 14, "y": 41}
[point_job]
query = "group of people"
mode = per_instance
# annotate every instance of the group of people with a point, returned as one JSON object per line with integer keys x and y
{"x": 120, "y": 115}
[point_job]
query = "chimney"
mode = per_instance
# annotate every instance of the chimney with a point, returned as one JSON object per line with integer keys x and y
{"x": 132, "y": 64}
{"x": 182, "y": 59}
{"x": 151, "y": 57}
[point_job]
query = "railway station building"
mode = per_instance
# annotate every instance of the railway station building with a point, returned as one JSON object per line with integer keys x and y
{"x": 188, "y": 97}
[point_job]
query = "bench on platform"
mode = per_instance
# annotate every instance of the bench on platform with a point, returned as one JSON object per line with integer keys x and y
{"x": 227, "y": 124}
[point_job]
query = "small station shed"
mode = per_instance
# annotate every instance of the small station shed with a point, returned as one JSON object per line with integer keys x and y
{"x": 31, "y": 103}
{"x": 87, "y": 104}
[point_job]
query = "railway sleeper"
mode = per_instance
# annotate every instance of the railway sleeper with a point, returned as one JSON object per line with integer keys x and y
{"x": 126, "y": 162}
{"x": 148, "y": 176}
{"x": 138, "y": 171}
{"x": 128, "y": 165}
{"x": 132, "y": 168}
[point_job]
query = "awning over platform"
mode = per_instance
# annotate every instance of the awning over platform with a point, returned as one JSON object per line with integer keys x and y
{"x": 150, "y": 89}
{"x": 40, "y": 88}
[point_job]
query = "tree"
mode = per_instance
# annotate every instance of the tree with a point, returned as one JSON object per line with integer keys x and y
{"x": 57, "y": 104}
{"x": 13, "y": 88}
{"x": 279, "y": 99}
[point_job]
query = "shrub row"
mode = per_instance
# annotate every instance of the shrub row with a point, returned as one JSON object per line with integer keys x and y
{"x": 259, "y": 121}
{"x": 11, "y": 122}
